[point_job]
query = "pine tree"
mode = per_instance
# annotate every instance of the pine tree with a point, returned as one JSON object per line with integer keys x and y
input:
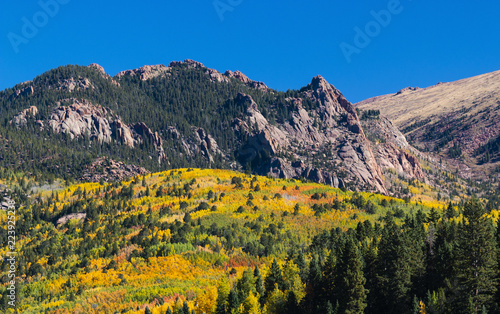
{"x": 350, "y": 280}
{"x": 185, "y": 308}
{"x": 329, "y": 308}
{"x": 245, "y": 284}
{"x": 329, "y": 272}
{"x": 416, "y": 305}
{"x": 222, "y": 296}
{"x": 450, "y": 211}
{"x": 233, "y": 303}
{"x": 314, "y": 281}
{"x": 259, "y": 285}
{"x": 291, "y": 306}
{"x": 393, "y": 270}
{"x": 477, "y": 256}
{"x": 301, "y": 263}
{"x": 274, "y": 276}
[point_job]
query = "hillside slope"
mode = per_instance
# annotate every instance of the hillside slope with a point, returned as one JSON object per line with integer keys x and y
{"x": 96, "y": 248}
{"x": 458, "y": 121}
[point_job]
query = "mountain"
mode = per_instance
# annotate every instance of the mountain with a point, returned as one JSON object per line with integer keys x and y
{"x": 456, "y": 121}
{"x": 187, "y": 115}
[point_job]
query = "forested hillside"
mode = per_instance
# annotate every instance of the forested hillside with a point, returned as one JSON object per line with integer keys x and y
{"x": 215, "y": 241}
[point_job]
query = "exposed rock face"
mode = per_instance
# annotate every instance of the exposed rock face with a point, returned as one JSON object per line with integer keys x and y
{"x": 264, "y": 139}
{"x": 390, "y": 156}
{"x": 65, "y": 219}
{"x": 215, "y": 76}
{"x": 146, "y": 72}
{"x": 207, "y": 144}
{"x": 82, "y": 118}
{"x": 151, "y": 71}
{"x": 71, "y": 84}
{"x": 142, "y": 131}
{"x": 391, "y": 149}
{"x": 21, "y": 118}
{"x": 198, "y": 142}
{"x": 243, "y": 78}
{"x": 109, "y": 170}
{"x": 98, "y": 68}
{"x": 27, "y": 91}
{"x": 103, "y": 73}
{"x": 383, "y": 130}
{"x": 338, "y": 154}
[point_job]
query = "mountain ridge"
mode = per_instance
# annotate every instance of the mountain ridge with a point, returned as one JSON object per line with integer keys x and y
{"x": 196, "y": 116}
{"x": 456, "y": 121}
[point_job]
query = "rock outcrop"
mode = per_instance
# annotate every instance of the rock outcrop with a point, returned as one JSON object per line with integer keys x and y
{"x": 199, "y": 141}
{"x": 391, "y": 149}
{"x": 103, "y": 73}
{"x": 151, "y": 71}
{"x": 80, "y": 118}
{"x": 207, "y": 144}
{"x": 146, "y": 72}
{"x": 243, "y": 78}
{"x": 21, "y": 118}
{"x": 108, "y": 170}
{"x": 329, "y": 141}
{"x": 71, "y": 84}
{"x": 26, "y": 91}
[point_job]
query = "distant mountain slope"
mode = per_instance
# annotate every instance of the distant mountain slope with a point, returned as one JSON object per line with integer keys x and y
{"x": 459, "y": 121}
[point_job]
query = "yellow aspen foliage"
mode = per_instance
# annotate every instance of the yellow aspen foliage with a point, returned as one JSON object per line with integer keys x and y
{"x": 206, "y": 300}
{"x": 276, "y": 301}
{"x": 291, "y": 278}
{"x": 251, "y": 304}
{"x": 422, "y": 308}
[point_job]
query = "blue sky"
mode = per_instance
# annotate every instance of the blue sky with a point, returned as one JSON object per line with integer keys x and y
{"x": 282, "y": 43}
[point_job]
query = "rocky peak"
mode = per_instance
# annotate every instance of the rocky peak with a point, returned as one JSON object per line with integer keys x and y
{"x": 342, "y": 143}
{"x": 190, "y": 63}
{"x": 252, "y": 114}
{"x": 103, "y": 73}
{"x": 145, "y": 72}
{"x": 98, "y": 68}
{"x": 244, "y": 79}
{"x": 319, "y": 82}
{"x": 333, "y": 105}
